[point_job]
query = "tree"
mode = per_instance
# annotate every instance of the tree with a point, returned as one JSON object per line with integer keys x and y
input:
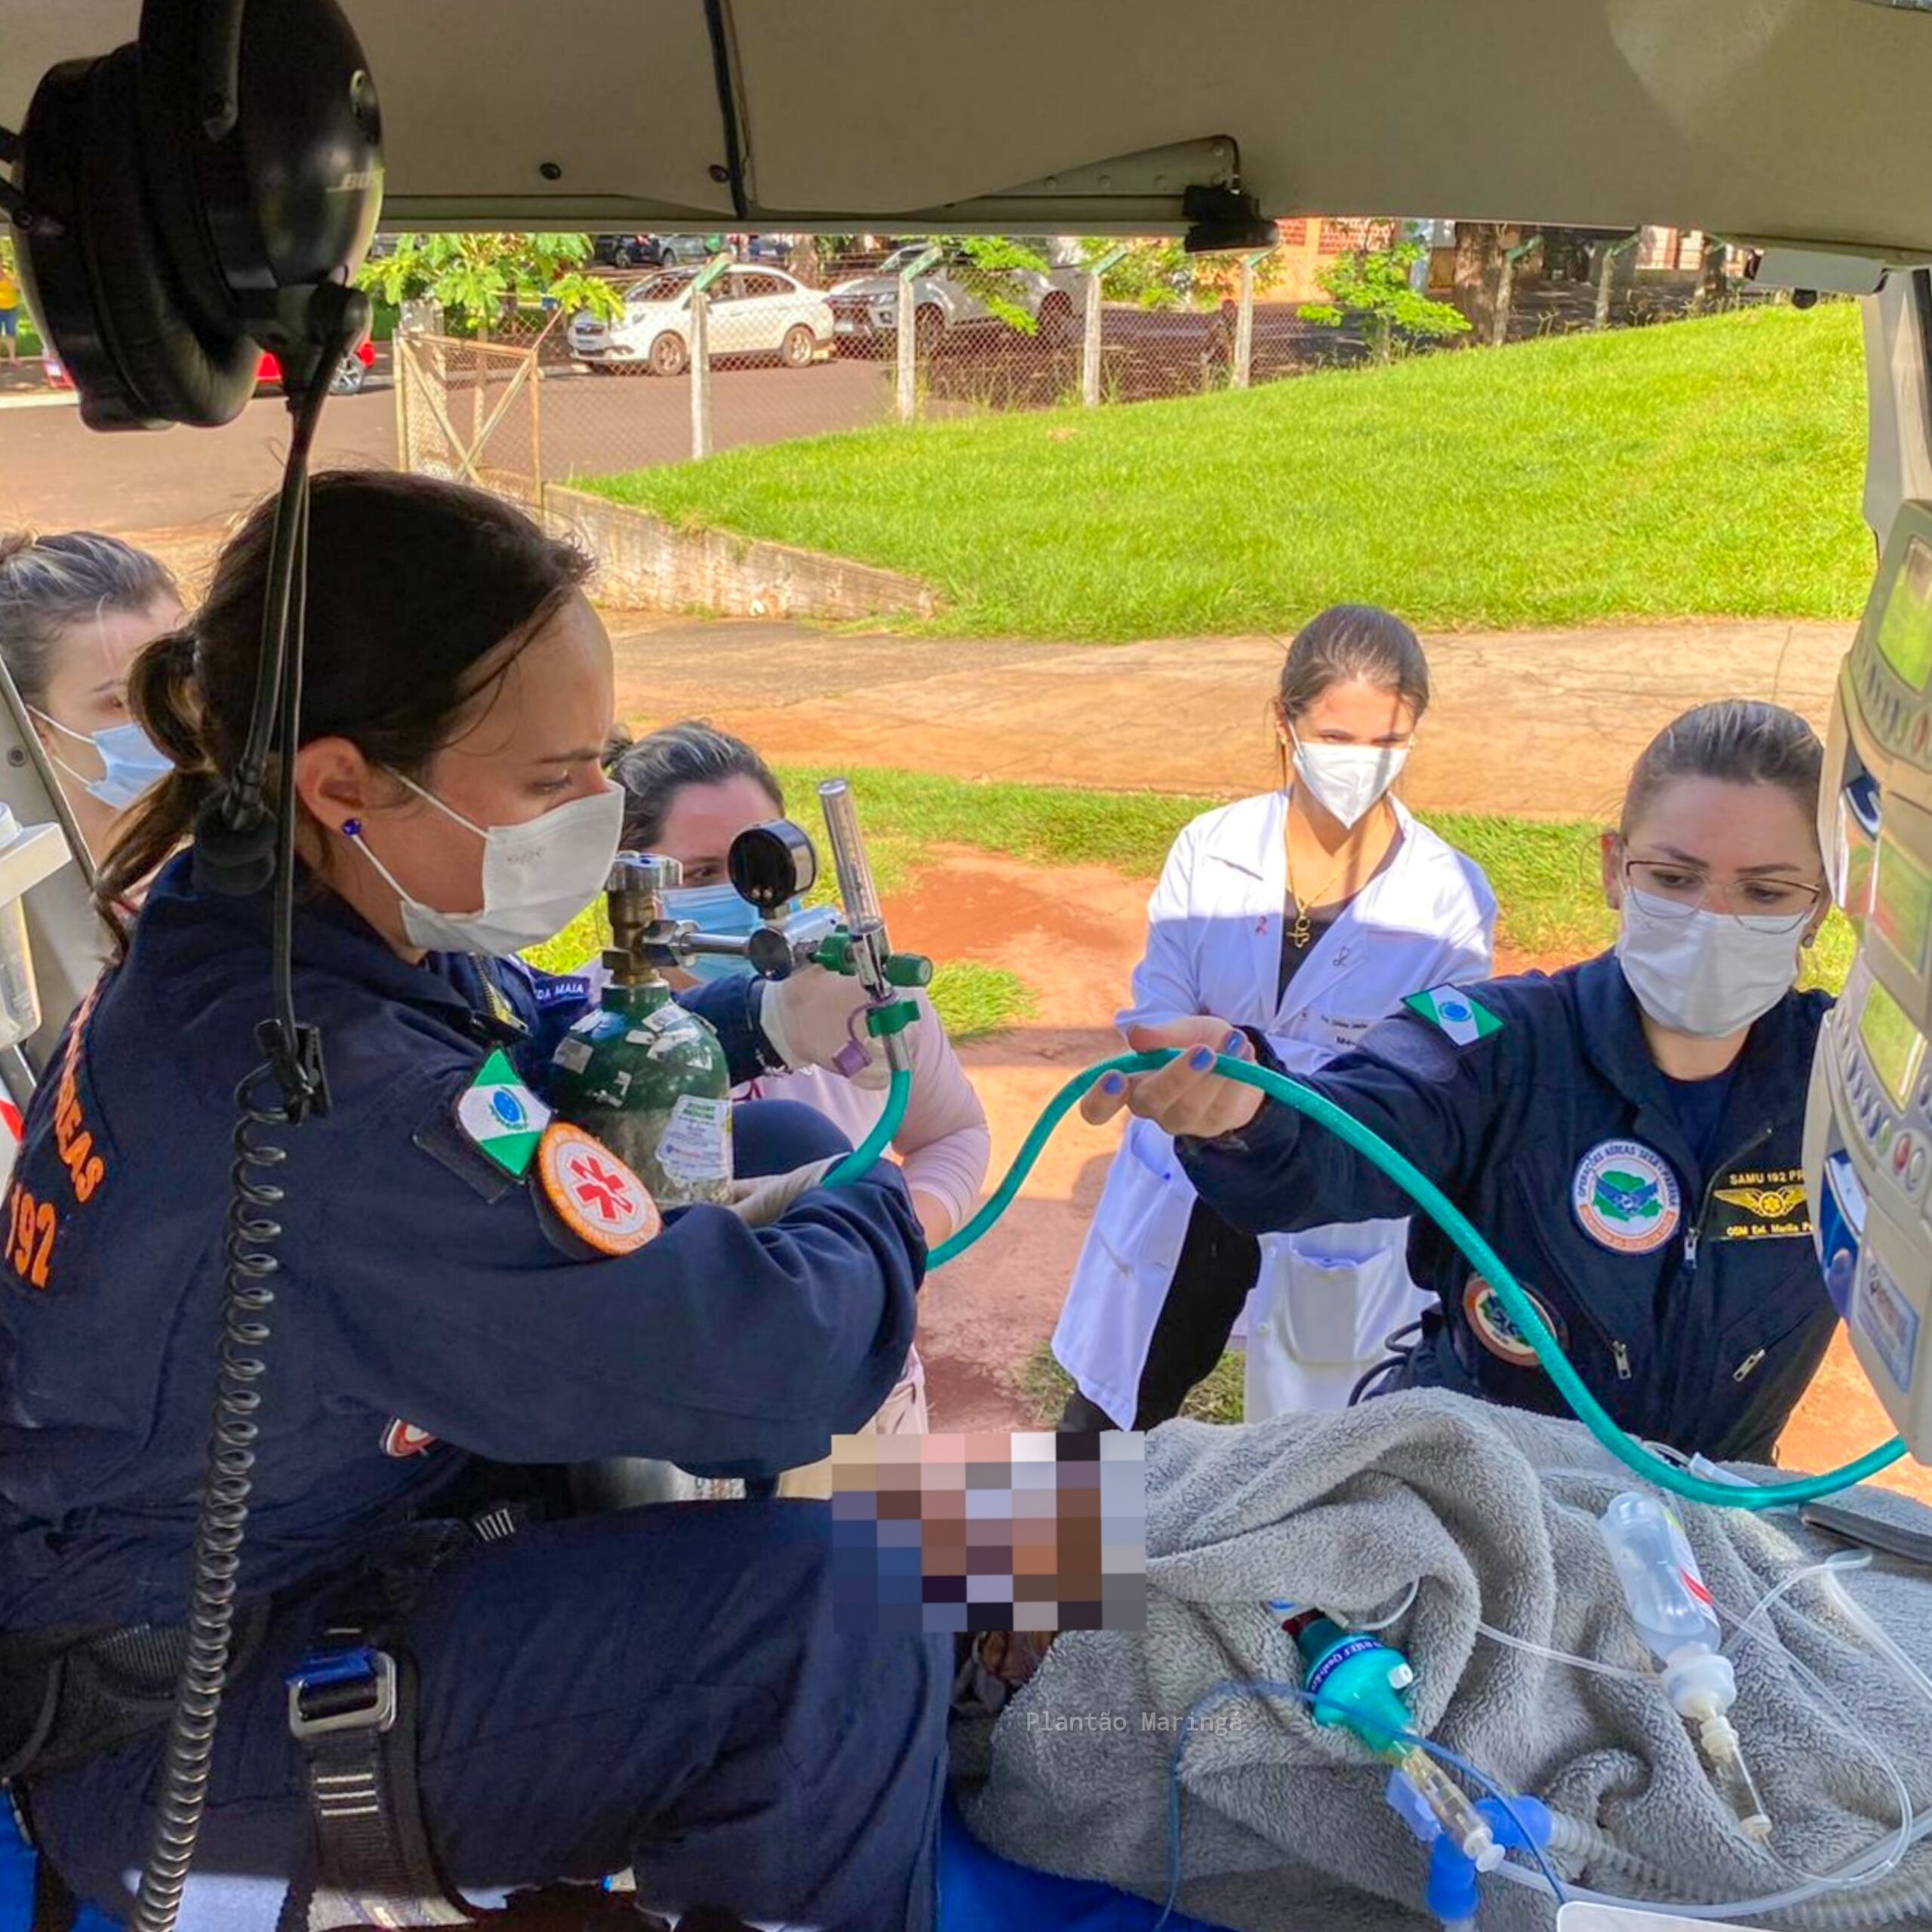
{"x": 1374, "y": 286}
{"x": 479, "y": 279}
{"x": 1162, "y": 275}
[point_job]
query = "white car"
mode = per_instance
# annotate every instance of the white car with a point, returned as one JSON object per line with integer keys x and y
{"x": 754, "y": 310}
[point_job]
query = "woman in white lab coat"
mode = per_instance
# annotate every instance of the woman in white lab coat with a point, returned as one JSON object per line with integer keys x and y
{"x": 1311, "y": 912}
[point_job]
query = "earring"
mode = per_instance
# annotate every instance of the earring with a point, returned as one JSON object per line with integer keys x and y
{"x": 352, "y": 828}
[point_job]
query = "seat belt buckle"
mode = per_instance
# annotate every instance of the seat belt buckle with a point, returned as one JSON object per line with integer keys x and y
{"x": 338, "y": 1690}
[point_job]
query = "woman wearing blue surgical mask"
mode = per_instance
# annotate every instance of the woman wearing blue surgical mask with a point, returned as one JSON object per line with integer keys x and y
{"x": 467, "y": 1294}
{"x": 689, "y": 790}
{"x": 1309, "y": 913}
{"x": 1627, "y": 1134}
{"x": 76, "y": 611}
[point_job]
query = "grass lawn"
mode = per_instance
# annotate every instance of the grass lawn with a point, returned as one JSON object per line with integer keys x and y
{"x": 1707, "y": 468}
{"x": 1044, "y": 1386}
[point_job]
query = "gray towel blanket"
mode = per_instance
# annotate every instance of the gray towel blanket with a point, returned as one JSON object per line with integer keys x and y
{"x": 1493, "y": 1515}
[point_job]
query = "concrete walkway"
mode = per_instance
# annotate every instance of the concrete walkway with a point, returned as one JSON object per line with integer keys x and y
{"x": 1539, "y": 724}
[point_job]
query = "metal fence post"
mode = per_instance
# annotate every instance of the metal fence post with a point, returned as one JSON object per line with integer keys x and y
{"x": 400, "y": 372}
{"x": 1244, "y": 368}
{"x": 701, "y": 353}
{"x": 1089, "y": 343}
{"x": 908, "y": 332}
{"x": 1505, "y": 279}
{"x": 1607, "y": 274}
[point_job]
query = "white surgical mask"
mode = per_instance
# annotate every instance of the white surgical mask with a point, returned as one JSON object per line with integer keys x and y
{"x": 537, "y": 876}
{"x": 130, "y": 762}
{"x": 1708, "y": 976}
{"x": 1349, "y": 779}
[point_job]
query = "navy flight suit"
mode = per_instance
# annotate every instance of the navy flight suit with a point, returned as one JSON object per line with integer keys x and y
{"x": 1688, "y": 1296}
{"x": 661, "y": 1689}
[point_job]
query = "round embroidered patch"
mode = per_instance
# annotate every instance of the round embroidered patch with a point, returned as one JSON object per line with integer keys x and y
{"x": 404, "y": 1439}
{"x": 1625, "y": 1198}
{"x": 596, "y": 1196}
{"x": 1490, "y": 1323}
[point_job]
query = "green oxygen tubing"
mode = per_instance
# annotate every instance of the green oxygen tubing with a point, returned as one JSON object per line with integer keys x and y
{"x": 1633, "y": 1454}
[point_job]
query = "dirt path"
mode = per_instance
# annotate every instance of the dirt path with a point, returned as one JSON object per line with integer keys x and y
{"x": 1538, "y": 724}
{"x": 1074, "y": 934}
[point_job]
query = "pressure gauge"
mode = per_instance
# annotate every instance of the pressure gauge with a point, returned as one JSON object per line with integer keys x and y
{"x": 772, "y": 865}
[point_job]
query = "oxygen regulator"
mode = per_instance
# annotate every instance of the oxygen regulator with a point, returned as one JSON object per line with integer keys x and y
{"x": 648, "y": 1078}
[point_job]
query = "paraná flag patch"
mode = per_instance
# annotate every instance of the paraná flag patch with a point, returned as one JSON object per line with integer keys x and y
{"x": 502, "y": 1116}
{"x": 1451, "y": 1010}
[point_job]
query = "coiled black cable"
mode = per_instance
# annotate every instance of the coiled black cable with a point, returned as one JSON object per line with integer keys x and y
{"x": 219, "y": 1527}
{"x": 293, "y": 1066}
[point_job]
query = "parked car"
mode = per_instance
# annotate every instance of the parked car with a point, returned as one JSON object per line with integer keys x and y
{"x": 653, "y": 251}
{"x": 350, "y": 377}
{"x": 753, "y": 311}
{"x": 865, "y": 309}
{"x": 690, "y": 250}
{"x": 625, "y": 251}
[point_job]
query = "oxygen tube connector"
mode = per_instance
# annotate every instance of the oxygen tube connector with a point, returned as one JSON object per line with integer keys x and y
{"x": 1356, "y": 1681}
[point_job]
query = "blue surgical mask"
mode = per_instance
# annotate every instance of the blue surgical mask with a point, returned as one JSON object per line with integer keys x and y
{"x": 130, "y": 762}
{"x": 719, "y": 910}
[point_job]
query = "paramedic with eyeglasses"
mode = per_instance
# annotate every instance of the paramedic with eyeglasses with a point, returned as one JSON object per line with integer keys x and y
{"x": 1627, "y": 1133}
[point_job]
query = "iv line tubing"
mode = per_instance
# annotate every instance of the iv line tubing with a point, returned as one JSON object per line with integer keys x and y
{"x": 1546, "y": 1875}
{"x": 1444, "y": 1213}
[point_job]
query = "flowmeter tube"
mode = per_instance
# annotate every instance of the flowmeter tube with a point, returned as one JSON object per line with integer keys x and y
{"x": 857, "y": 892}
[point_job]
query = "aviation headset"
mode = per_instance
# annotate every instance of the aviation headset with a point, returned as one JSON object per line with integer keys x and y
{"x": 187, "y": 200}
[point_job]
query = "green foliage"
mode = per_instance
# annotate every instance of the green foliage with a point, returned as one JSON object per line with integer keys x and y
{"x": 1695, "y": 468}
{"x": 1374, "y": 285}
{"x": 479, "y": 279}
{"x": 988, "y": 266}
{"x": 1161, "y": 274}
{"x": 1151, "y": 275}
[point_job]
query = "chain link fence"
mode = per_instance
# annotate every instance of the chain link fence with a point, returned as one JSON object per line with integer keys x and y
{"x": 717, "y": 342}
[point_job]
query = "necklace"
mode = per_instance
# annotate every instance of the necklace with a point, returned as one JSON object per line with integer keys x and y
{"x": 1301, "y": 934}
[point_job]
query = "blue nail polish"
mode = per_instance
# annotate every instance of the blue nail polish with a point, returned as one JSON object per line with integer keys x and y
{"x": 1114, "y": 1084}
{"x": 1202, "y": 1059}
{"x": 1236, "y": 1044}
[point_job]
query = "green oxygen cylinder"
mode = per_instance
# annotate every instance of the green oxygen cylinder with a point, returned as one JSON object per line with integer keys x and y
{"x": 647, "y": 1077}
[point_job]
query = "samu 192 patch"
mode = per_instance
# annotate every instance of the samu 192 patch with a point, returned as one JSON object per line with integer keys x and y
{"x": 1490, "y": 1323}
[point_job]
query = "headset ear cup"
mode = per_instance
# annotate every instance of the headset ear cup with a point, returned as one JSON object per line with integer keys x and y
{"x": 165, "y": 83}
{"x": 171, "y": 371}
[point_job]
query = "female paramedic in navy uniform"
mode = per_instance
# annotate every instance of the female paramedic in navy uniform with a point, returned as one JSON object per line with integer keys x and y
{"x": 1626, "y": 1133}
{"x": 660, "y": 1690}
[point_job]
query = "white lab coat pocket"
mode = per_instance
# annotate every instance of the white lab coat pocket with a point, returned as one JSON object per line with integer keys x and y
{"x": 1330, "y": 1299}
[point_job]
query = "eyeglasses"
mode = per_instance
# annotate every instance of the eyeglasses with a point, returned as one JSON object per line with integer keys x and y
{"x": 1672, "y": 891}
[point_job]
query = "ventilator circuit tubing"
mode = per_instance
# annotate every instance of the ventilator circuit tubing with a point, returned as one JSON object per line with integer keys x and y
{"x": 1447, "y": 1216}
